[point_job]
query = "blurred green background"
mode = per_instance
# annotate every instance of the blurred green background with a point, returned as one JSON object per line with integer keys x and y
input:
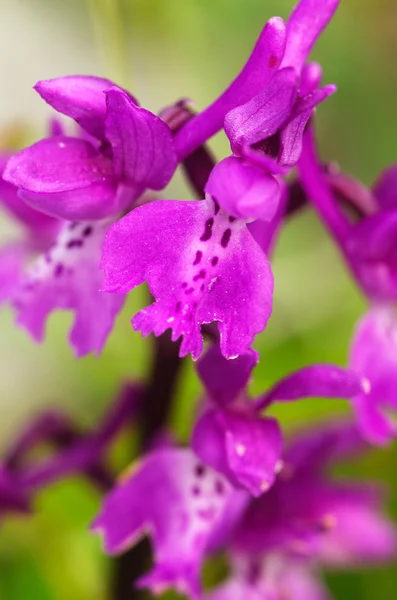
{"x": 164, "y": 51}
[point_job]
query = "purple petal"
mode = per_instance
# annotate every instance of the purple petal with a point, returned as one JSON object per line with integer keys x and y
{"x": 324, "y": 381}
{"x": 179, "y": 502}
{"x": 142, "y": 144}
{"x": 291, "y": 139}
{"x": 81, "y": 97}
{"x": 64, "y": 177}
{"x": 34, "y": 220}
{"x": 263, "y": 115}
{"x": 374, "y": 356}
{"x": 318, "y": 446}
{"x": 310, "y": 78}
{"x": 67, "y": 277}
{"x": 361, "y": 533}
{"x": 223, "y": 379}
{"x": 260, "y": 67}
{"x": 215, "y": 272}
{"x": 304, "y": 26}
{"x": 243, "y": 448}
{"x": 244, "y": 191}
{"x": 385, "y": 188}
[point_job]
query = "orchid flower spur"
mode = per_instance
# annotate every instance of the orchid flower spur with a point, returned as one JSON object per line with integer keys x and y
{"x": 233, "y": 437}
{"x": 306, "y": 521}
{"x": 199, "y": 259}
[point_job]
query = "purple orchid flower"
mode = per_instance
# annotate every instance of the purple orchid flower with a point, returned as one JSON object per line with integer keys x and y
{"x": 55, "y": 265}
{"x": 186, "y": 507}
{"x": 85, "y": 183}
{"x": 366, "y": 234}
{"x": 306, "y": 521}
{"x": 278, "y": 46}
{"x": 233, "y": 437}
{"x": 125, "y": 150}
{"x": 199, "y": 259}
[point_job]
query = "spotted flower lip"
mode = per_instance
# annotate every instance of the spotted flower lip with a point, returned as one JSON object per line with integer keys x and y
{"x": 92, "y": 178}
{"x": 201, "y": 264}
{"x": 183, "y": 521}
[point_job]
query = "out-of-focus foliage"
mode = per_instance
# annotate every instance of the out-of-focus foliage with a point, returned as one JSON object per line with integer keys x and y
{"x": 174, "y": 49}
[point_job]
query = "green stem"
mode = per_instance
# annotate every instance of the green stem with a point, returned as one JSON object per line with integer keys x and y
{"x": 107, "y": 19}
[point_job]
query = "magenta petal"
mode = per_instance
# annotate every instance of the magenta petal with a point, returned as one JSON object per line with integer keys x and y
{"x": 179, "y": 502}
{"x": 201, "y": 267}
{"x": 81, "y": 97}
{"x": 385, "y": 188}
{"x": 324, "y": 381}
{"x": 374, "y": 356}
{"x": 310, "y": 78}
{"x": 33, "y": 219}
{"x": 225, "y": 379}
{"x": 260, "y": 67}
{"x": 263, "y": 115}
{"x": 67, "y": 277}
{"x": 304, "y": 26}
{"x": 244, "y": 448}
{"x": 142, "y": 144}
{"x": 244, "y": 191}
{"x": 57, "y": 164}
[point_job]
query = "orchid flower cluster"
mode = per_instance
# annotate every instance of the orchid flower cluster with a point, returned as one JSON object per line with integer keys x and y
{"x": 91, "y": 232}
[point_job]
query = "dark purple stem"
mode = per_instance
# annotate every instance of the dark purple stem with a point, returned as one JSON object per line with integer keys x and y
{"x": 156, "y": 406}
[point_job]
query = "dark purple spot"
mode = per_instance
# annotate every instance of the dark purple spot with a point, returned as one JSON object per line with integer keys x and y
{"x": 31, "y": 285}
{"x": 207, "y": 230}
{"x": 232, "y": 219}
{"x": 194, "y": 304}
{"x": 74, "y": 244}
{"x": 272, "y": 62}
{"x": 87, "y": 231}
{"x": 189, "y": 291}
{"x": 191, "y": 317}
{"x": 197, "y": 260}
{"x": 196, "y": 490}
{"x": 200, "y": 275}
{"x": 214, "y": 261}
{"x": 270, "y": 146}
{"x": 199, "y": 470}
{"x": 202, "y": 288}
{"x": 217, "y": 208}
{"x": 219, "y": 487}
{"x": 73, "y": 225}
{"x": 178, "y": 307}
{"x": 58, "y": 270}
{"x": 48, "y": 257}
{"x": 226, "y": 238}
{"x": 206, "y": 513}
{"x": 184, "y": 284}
